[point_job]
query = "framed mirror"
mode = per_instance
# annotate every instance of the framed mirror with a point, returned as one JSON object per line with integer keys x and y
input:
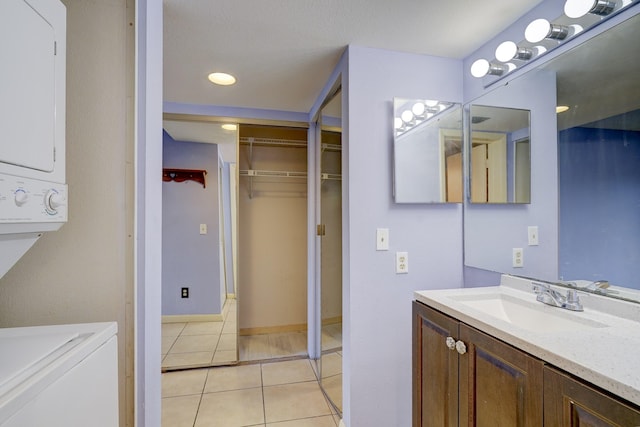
{"x": 427, "y": 147}
{"x": 596, "y": 156}
{"x": 500, "y": 155}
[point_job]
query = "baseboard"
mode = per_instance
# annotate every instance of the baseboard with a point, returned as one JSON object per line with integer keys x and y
{"x": 231, "y": 296}
{"x": 183, "y": 318}
{"x": 332, "y": 320}
{"x": 274, "y": 329}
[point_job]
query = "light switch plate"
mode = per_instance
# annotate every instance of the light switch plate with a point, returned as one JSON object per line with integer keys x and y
{"x": 382, "y": 239}
{"x": 533, "y": 235}
{"x": 402, "y": 262}
{"x": 203, "y": 228}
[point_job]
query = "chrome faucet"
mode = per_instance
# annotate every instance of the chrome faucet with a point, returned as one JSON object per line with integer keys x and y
{"x": 550, "y": 296}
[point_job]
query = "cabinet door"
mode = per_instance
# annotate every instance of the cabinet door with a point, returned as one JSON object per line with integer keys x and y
{"x": 570, "y": 403}
{"x": 499, "y": 385}
{"x": 435, "y": 369}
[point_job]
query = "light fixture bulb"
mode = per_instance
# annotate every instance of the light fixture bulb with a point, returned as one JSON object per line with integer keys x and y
{"x": 579, "y": 8}
{"x": 480, "y": 68}
{"x": 222, "y": 79}
{"x": 537, "y": 30}
{"x": 229, "y": 126}
{"x": 407, "y": 116}
{"x": 397, "y": 123}
{"x": 506, "y": 51}
{"x": 418, "y": 109}
{"x": 431, "y": 102}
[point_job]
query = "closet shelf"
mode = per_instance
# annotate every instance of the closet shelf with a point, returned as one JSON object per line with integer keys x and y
{"x": 273, "y": 174}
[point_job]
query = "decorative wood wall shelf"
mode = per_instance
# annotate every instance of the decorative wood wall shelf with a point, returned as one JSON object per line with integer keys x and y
{"x": 181, "y": 175}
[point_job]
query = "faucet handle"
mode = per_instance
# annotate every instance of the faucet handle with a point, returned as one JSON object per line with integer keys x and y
{"x": 573, "y": 301}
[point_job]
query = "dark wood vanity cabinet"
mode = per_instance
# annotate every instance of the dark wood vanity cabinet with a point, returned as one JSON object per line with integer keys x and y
{"x": 569, "y": 402}
{"x": 464, "y": 377}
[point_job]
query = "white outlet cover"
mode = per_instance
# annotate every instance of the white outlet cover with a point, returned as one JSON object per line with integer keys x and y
{"x": 518, "y": 258}
{"x": 402, "y": 262}
{"x": 203, "y": 228}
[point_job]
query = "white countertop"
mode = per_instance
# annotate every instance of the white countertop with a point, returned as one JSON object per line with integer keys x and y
{"x": 608, "y": 357}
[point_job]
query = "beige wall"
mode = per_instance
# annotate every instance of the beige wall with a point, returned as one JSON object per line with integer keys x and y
{"x": 272, "y": 227}
{"x": 83, "y": 273}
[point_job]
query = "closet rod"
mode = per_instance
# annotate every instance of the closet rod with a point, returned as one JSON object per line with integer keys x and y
{"x": 273, "y": 142}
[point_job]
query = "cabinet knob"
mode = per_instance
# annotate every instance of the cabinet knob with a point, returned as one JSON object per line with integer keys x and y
{"x": 461, "y": 348}
{"x": 451, "y": 343}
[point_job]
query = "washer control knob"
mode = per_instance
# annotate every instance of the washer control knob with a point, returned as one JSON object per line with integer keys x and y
{"x": 20, "y": 197}
{"x": 52, "y": 201}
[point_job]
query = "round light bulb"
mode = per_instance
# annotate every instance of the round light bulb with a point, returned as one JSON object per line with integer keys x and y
{"x": 406, "y": 116}
{"x": 222, "y": 79}
{"x": 578, "y": 8}
{"x": 480, "y": 68}
{"x": 431, "y": 102}
{"x": 397, "y": 123}
{"x": 418, "y": 109}
{"x": 506, "y": 51}
{"x": 537, "y": 30}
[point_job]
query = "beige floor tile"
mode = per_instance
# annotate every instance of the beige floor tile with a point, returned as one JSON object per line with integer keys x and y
{"x": 254, "y": 347}
{"x": 225, "y": 357}
{"x": 233, "y": 378}
{"x": 191, "y": 343}
{"x": 231, "y": 409}
{"x": 172, "y": 329}
{"x": 167, "y": 342}
{"x": 228, "y": 342}
{"x": 202, "y": 328}
{"x": 294, "y": 401}
{"x": 181, "y": 383}
{"x": 291, "y": 371}
{"x": 288, "y": 344}
{"x": 187, "y": 360}
{"x": 332, "y": 337}
{"x": 331, "y": 364}
{"x": 179, "y": 411}
{"x": 326, "y": 421}
{"x": 230, "y": 327}
{"x": 333, "y": 388}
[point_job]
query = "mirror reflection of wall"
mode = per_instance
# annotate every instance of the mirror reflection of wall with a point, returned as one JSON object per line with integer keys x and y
{"x": 427, "y": 151}
{"x": 199, "y": 308}
{"x": 597, "y": 147}
{"x": 500, "y": 159}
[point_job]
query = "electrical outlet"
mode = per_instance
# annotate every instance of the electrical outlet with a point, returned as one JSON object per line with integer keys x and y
{"x": 532, "y": 231}
{"x": 402, "y": 262}
{"x": 184, "y": 292}
{"x": 518, "y": 258}
{"x": 382, "y": 239}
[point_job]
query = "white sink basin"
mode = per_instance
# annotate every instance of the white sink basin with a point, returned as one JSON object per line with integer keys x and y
{"x": 529, "y": 315}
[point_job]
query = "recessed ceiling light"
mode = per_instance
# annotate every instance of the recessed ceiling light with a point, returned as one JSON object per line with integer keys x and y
{"x": 223, "y": 79}
{"x": 229, "y": 126}
{"x": 562, "y": 108}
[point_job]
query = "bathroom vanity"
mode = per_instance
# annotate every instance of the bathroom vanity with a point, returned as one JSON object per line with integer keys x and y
{"x": 495, "y": 356}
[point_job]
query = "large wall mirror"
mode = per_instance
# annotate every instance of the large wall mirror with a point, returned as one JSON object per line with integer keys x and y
{"x": 427, "y": 148}
{"x": 598, "y": 164}
{"x": 500, "y": 160}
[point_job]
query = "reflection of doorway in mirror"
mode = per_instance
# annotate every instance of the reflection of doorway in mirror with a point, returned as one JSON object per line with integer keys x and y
{"x": 489, "y": 168}
{"x": 522, "y": 172}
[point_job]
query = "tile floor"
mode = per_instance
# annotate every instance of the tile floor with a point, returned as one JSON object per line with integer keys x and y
{"x": 275, "y": 394}
{"x": 197, "y": 344}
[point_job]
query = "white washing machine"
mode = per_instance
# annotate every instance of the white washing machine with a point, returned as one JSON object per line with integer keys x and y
{"x": 59, "y": 376}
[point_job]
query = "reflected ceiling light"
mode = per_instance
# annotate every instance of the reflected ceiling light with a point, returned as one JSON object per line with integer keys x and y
{"x": 407, "y": 116}
{"x": 431, "y": 102}
{"x": 482, "y": 67}
{"x": 398, "y": 124}
{"x": 508, "y": 50}
{"x": 229, "y": 126}
{"x": 562, "y": 108}
{"x": 418, "y": 109}
{"x": 222, "y": 79}
{"x": 579, "y": 8}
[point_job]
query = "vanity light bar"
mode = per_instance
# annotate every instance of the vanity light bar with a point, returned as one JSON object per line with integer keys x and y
{"x": 540, "y": 30}
{"x": 418, "y": 113}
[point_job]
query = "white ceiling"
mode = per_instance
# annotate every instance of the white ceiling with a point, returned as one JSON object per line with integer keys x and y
{"x": 283, "y": 51}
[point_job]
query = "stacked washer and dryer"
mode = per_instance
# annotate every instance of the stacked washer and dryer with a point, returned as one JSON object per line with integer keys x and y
{"x": 56, "y": 375}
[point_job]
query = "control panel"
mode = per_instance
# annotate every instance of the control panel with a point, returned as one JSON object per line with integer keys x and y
{"x": 25, "y": 200}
